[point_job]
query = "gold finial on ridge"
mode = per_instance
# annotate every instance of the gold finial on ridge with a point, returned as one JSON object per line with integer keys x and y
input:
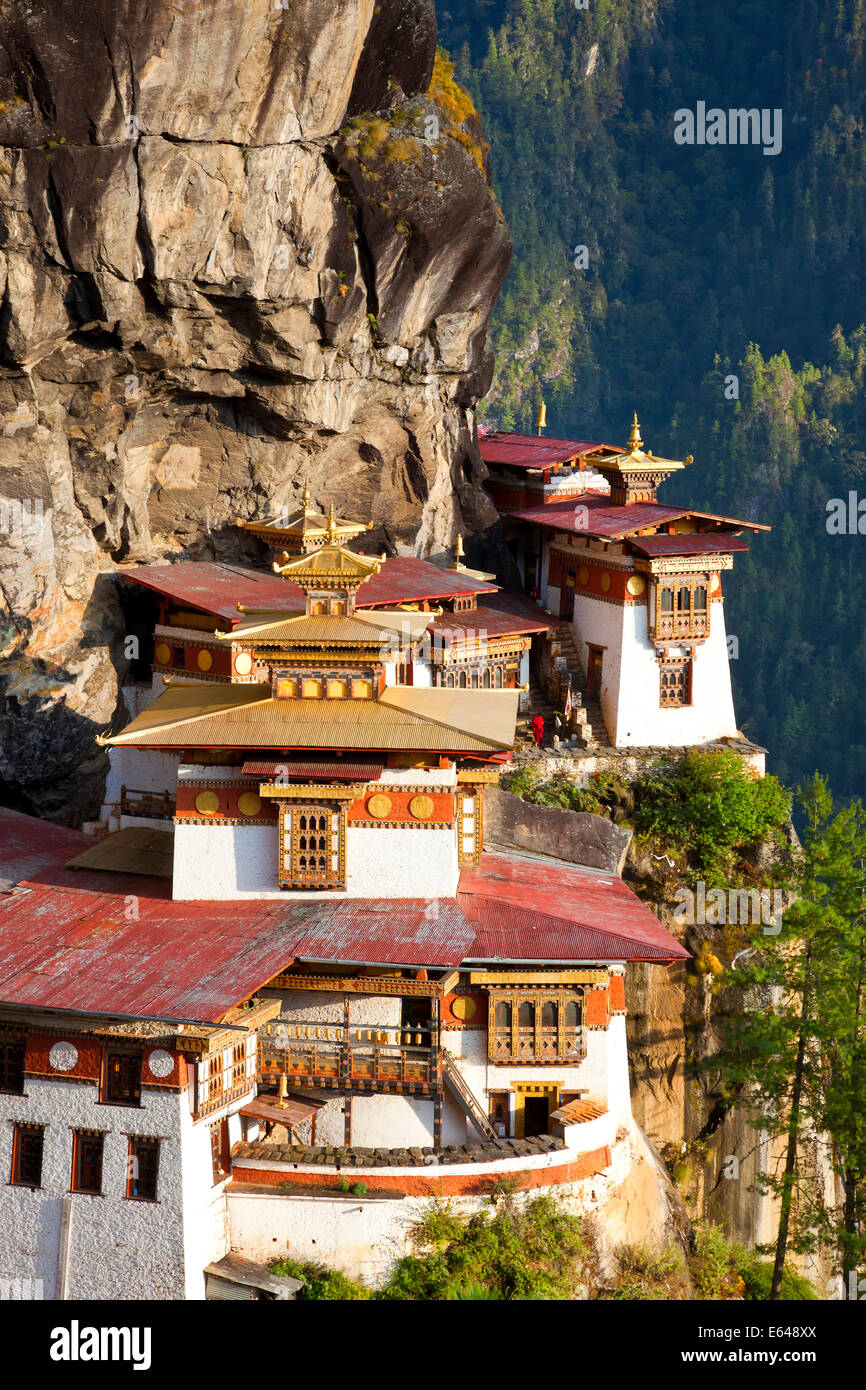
{"x": 634, "y": 439}
{"x": 458, "y": 550}
{"x": 307, "y": 493}
{"x": 332, "y": 524}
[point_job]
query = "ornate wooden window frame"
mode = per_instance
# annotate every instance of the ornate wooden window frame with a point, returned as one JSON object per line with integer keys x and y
{"x": 676, "y": 623}
{"x": 470, "y": 825}
{"x": 669, "y": 695}
{"x": 291, "y": 873}
{"x": 517, "y": 1050}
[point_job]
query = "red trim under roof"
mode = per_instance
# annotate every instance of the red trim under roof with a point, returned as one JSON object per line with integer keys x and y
{"x": 340, "y": 770}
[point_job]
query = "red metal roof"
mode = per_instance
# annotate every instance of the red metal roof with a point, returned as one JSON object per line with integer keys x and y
{"x": 688, "y": 545}
{"x": 339, "y": 770}
{"x": 67, "y": 941}
{"x": 218, "y": 587}
{"x": 490, "y": 621}
{"x": 407, "y": 580}
{"x": 387, "y": 931}
{"x": 593, "y": 513}
{"x": 537, "y": 909}
{"x": 532, "y": 451}
{"x": 28, "y": 845}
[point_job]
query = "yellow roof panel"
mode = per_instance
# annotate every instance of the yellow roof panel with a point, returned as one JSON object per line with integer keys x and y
{"x": 464, "y": 721}
{"x": 365, "y": 628}
{"x": 487, "y": 714}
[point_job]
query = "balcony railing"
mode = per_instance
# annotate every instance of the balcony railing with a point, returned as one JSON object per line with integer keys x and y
{"x": 332, "y": 1056}
{"x": 670, "y": 627}
{"x": 154, "y": 805}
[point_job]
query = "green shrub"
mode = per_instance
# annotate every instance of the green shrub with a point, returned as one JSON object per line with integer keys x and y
{"x": 321, "y": 1283}
{"x": 506, "y": 1252}
{"x": 713, "y": 806}
{"x": 757, "y": 1277}
{"x": 714, "y": 1265}
{"x": 646, "y": 1277}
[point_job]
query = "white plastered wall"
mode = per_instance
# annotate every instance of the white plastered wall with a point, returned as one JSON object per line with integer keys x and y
{"x": 629, "y": 693}
{"x": 231, "y": 862}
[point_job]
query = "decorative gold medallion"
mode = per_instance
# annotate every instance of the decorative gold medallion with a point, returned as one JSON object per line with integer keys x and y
{"x": 207, "y": 803}
{"x": 249, "y": 804}
{"x": 636, "y": 585}
{"x": 605, "y": 581}
{"x": 162, "y": 654}
{"x": 421, "y": 807}
{"x": 379, "y": 806}
{"x": 583, "y": 575}
{"x": 464, "y": 1007}
{"x": 243, "y": 663}
{"x": 205, "y": 660}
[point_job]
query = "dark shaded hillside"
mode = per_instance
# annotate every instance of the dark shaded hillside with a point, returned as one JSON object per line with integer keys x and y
{"x": 696, "y": 253}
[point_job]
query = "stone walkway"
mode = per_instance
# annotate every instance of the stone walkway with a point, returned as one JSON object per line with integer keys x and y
{"x": 334, "y": 1157}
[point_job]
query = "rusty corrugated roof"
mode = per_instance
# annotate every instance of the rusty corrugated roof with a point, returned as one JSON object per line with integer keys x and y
{"x": 28, "y": 845}
{"x": 593, "y": 514}
{"x": 218, "y": 588}
{"x": 527, "y": 907}
{"x": 533, "y": 451}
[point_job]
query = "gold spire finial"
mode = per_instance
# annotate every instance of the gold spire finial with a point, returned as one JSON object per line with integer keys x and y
{"x": 332, "y": 524}
{"x": 306, "y": 494}
{"x": 634, "y": 439}
{"x": 459, "y": 551}
{"x": 542, "y": 417}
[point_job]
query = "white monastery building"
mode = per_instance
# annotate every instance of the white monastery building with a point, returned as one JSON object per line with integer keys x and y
{"x": 293, "y": 953}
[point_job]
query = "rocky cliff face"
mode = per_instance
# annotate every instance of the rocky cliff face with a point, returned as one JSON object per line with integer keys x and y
{"x": 239, "y": 243}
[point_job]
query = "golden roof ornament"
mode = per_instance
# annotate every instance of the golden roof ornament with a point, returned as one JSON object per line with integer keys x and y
{"x": 541, "y": 422}
{"x": 634, "y": 439}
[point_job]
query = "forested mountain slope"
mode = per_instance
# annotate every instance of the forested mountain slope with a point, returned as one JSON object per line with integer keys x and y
{"x": 702, "y": 263}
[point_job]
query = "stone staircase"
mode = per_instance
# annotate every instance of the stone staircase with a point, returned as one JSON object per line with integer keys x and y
{"x": 565, "y": 664}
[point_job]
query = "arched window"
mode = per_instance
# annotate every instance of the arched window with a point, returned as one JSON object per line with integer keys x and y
{"x": 462, "y": 680}
{"x": 548, "y": 1014}
{"x": 526, "y": 1015}
{"x": 502, "y": 1015}
{"x": 449, "y": 680}
{"x": 487, "y": 679}
{"x": 667, "y": 601}
{"x": 700, "y": 599}
{"x": 571, "y": 1015}
{"x": 683, "y": 599}
{"x": 497, "y": 677}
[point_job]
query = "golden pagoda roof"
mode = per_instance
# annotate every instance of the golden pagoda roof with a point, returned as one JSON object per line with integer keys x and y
{"x": 365, "y": 627}
{"x": 635, "y": 459}
{"x": 308, "y": 528}
{"x": 404, "y": 718}
{"x": 332, "y": 563}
